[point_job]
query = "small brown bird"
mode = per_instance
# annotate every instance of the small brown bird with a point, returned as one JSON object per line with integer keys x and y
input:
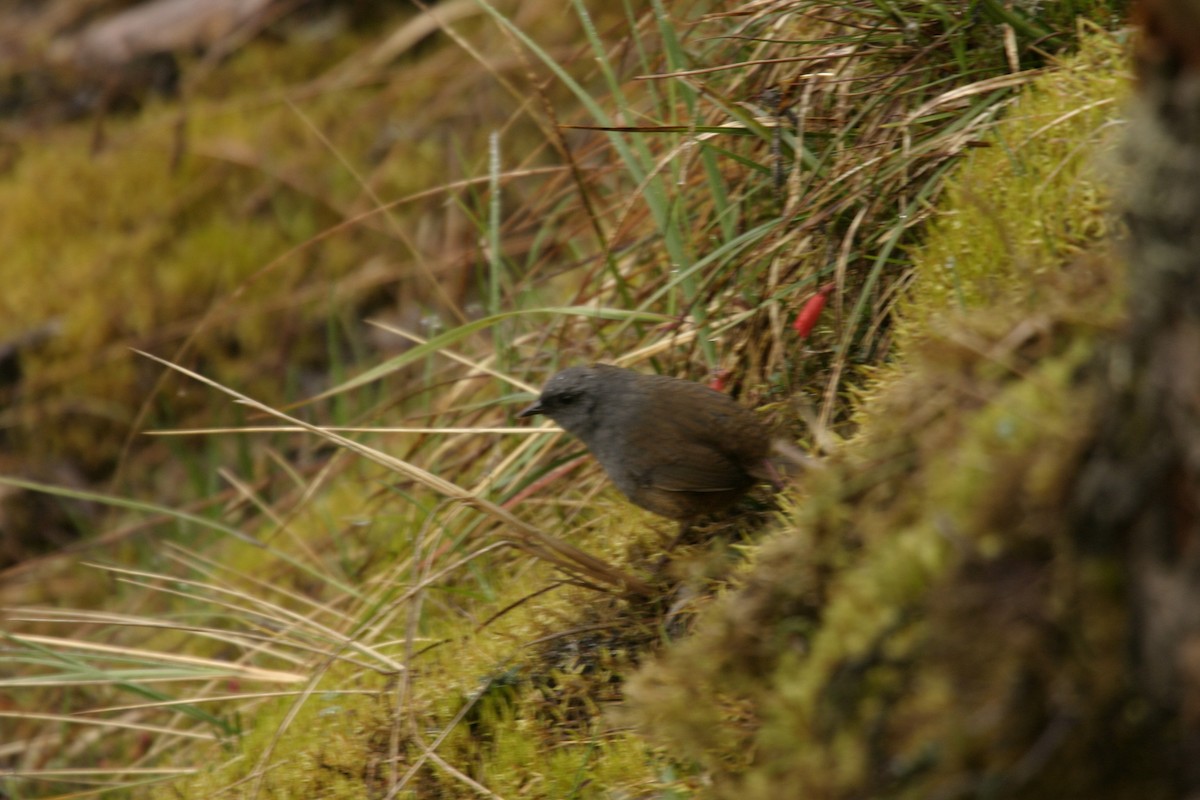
{"x": 674, "y": 447}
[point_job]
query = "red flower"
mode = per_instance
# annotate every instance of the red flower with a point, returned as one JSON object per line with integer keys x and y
{"x": 808, "y": 315}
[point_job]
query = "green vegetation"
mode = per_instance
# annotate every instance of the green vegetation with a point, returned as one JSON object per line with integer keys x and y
{"x": 461, "y": 607}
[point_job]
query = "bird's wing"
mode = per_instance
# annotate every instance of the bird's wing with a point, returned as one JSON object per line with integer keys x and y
{"x": 709, "y": 452}
{"x": 704, "y": 470}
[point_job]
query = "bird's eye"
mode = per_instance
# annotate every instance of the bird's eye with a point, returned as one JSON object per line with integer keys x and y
{"x": 567, "y": 398}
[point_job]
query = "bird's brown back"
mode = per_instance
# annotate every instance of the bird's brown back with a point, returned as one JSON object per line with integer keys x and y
{"x": 680, "y": 449}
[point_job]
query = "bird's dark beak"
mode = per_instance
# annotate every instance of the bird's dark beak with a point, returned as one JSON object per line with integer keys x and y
{"x": 533, "y": 410}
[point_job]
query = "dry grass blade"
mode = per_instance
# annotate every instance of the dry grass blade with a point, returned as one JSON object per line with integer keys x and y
{"x": 960, "y": 93}
{"x": 110, "y": 723}
{"x": 253, "y": 607}
{"x": 528, "y": 538}
{"x": 196, "y": 668}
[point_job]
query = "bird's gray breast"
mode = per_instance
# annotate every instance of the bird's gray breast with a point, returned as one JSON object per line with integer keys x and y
{"x": 613, "y": 438}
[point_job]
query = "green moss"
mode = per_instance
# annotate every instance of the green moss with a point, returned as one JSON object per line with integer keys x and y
{"x": 1019, "y": 208}
{"x": 323, "y": 751}
{"x": 201, "y": 221}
